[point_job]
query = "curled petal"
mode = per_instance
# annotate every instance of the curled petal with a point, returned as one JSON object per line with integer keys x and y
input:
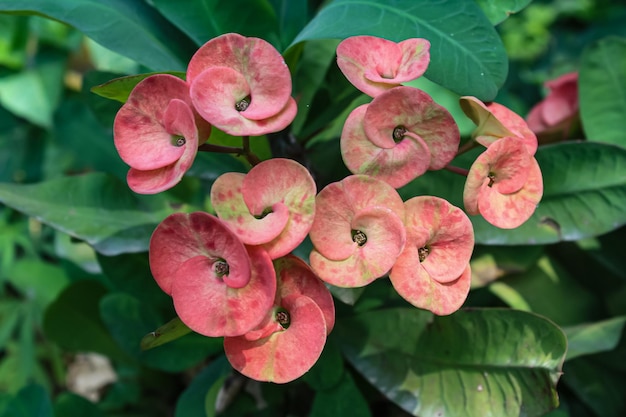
{"x": 374, "y": 65}
{"x": 146, "y": 127}
{"x": 397, "y": 166}
{"x": 383, "y": 235}
{"x": 181, "y": 237}
{"x": 442, "y": 233}
{"x": 504, "y": 184}
{"x": 414, "y": 285}
{"x": 415, "y": 112}
{"x": 208, "y": 305}
{"x": 336, "y": 206}
{"x": 559, "y": 107}
{"x": 495, "y": 121}
{"x": 296, "y": 277}
{"x": 273, "y": 205}
{"x": 286, "y": 354}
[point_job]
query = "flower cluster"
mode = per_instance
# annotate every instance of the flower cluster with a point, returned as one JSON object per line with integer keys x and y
{"x": 233, "y": 274}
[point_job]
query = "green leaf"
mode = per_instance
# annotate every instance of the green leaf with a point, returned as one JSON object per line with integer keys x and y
{"x": 536, "y": 289}
{"x": 32, "y": 401}
{"x": 584, "y": 195}
{"x": 499, "y": 10}
{"x": 68, "y": 404}
{"x": 467, "y": 55}
{"x": 602, "y": 90}
{"x": 128, "y": 320}
{"x": 172, "y": 330}
{"x": 595, "y": 337}
{"x": 328, "y": 370}
{"x": 73, "y": 321}
{"x": 38, "y": 280}
{"x": 206, "y": 19}
{"x": 344, "y": 399}
{"x": 292, "y": 17}
{"x": 119, "y": 88}
{"x": 34, "y": 93}
{"x": 191, "y": 402}
{"x": 499, "y": 361}
{"x": 492, "y": 262}
{"x": 93, "y": 207}
{"x": 131, "y": 28}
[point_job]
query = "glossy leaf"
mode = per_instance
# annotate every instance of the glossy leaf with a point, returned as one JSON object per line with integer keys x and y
{"x": 168, "y": 332}
{"x": 499, "y": 10}
{"x": 93, "y": 207}
{"x": 127, "y": 320}
{"x": 595, "y": 337}
{"x": 584, "y": 195}
{"x": 206, "y": 19}
{"x": 119, "y": 88}
{"x": 433, "y": 371}
{"x": 131, "y": 28}
{"x": 602, "y": 90}
{"x": 191, "y": 402}
{"x": 68, "y": 404}
{"x": 343, "y": 399}
{"x": 467, "y": 55}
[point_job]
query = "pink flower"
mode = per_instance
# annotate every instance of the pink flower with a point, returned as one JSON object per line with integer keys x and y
{"x": 273, "y": 205}
{"x": 559, "y": 109}
{"x": 400, "y": 135}
{"x": 358, "y": 231}
{"x": 432, "y": 272}
{"x": 157, "y": 133}
{"x": 219, "y": 286}
{"x": 374, "y": 65}
{"x": 504, "y": 184}
{"x": 241, "y": 85}
{"x": 291, "y": 338}
{"x": 495, "y": 121}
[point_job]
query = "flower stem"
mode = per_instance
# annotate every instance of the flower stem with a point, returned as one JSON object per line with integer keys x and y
{"x": 243, "y": 151}
{"x": 457, "y": 170}
{"x": 467, "y": 146}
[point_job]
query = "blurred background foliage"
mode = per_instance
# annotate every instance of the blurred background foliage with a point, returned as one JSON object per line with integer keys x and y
{"x": 65, "y": 308}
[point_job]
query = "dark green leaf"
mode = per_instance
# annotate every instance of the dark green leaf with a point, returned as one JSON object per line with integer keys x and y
{"x": 596, "y": 337}
{"x": 32, "y": 401}
{"x": 73, "y": 321}
{"x": 128, "y": 320}
{"x": 344, "y": 399}
{"x": 292, "y": 17}
{"x": 191, "y": 403}
{"x": 503, "y": 361}
{"x": 499, "y": 10}
{"x": 119, "y": 88}
{"x": 93, "y": 207}
{"x": 206, "y": 19}
{"x": 171, "y": 330}
{"x": 602, "y": 91}
{"x": 68, "y": 404}
{"x": 492, "y": 262}
{"x": 467, "y": 55}
{"x": 328, "y": 369}
{"x": 131, "y": 28}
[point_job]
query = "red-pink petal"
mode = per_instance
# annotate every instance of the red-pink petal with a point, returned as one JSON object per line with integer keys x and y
{"x": 444, "y": 230}
{"x": 208, "y": 305}
{"x": 296, "y": 277}
{"x": 416, "y": 112}
{"x": 495, "y": 121}
{"x": 374, "y": 65}
{"x": 285, "y": 355}
{"x": 414, "y": 285}
{"x": 336, "y": 206}
{"x": 181, "y": 237}
{"x": 228, "y": 202}
{"x": 143, "y": 137}
{"x": 397, "y": 166}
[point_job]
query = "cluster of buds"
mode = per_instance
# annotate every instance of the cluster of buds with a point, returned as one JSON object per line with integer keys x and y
{"x": 234, "y": 274}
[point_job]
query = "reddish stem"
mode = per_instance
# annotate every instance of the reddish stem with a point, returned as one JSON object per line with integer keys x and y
{"x": 457, "y": 170}
{"x": 467, "y": 146}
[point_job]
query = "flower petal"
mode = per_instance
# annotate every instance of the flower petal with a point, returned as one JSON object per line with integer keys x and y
{"x": 181, "y": 237}
{"x": 208, "y": 305}
{"x": 285, "y": 355}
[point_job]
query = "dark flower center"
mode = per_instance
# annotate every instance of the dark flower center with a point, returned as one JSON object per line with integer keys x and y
{"x": 282, "y": 317}
{"x": 221, "y": 268}
{"x": 359, "y": 237}
{"x": 423, "y": 253}
{"x": 492, "y": 179}
{"x": 398, "y": 133}
{"x": 242, "y": 104}
{"x": 178, "y": 141}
